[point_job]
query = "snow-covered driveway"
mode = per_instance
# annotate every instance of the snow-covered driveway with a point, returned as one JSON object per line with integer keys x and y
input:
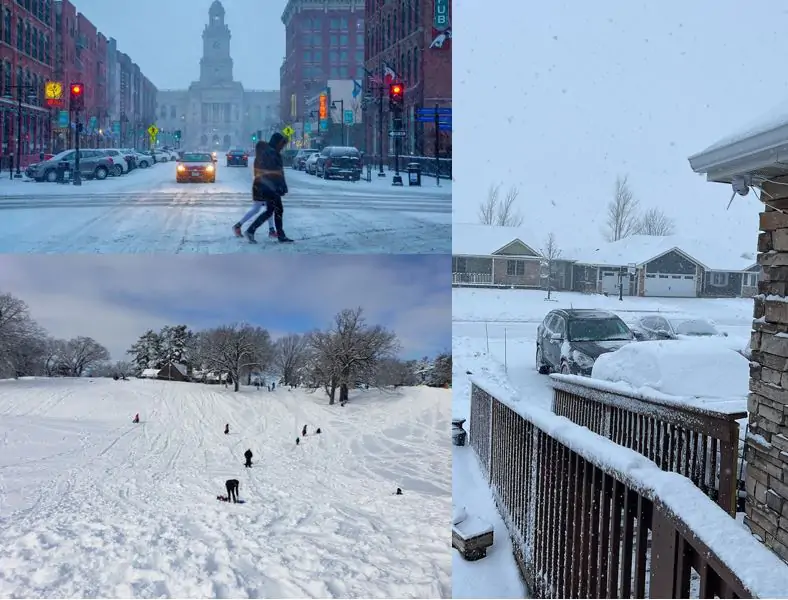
{"x": 137, "y": 503}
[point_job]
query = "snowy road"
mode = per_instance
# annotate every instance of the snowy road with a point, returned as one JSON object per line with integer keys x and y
{"x": 138, "y": 504}
{"x": 146, "y": 211}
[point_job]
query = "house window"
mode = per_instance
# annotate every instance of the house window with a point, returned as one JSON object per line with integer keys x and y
{"x": 460, "y": 264}
{"x": 719, "y": 279}
{"x": 749, "y": 280}
{"x": 515, "y": 268}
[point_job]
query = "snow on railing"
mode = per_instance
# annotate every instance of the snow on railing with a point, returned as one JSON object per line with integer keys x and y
{"x": 593, "y": 519}
{"x": 700, "y": 443}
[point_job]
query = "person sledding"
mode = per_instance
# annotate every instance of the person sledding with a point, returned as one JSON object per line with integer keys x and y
{"x": 248, "y": 457}
{"x": 270, "y": 185}
{"x": 136, "y": 418}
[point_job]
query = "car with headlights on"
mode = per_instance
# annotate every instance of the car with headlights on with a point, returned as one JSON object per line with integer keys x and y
{"x": 569, "y": 341}
{"x": 195, "y": 166}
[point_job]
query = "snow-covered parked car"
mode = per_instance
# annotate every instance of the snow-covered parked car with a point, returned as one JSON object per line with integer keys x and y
{"x": 311, "y": 163}
{"x": 666, "y": 326}
{"x": 570, "y": 340}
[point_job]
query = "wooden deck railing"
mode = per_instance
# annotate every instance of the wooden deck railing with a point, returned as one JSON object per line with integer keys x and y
{"x": 701, "y": 444}
{"x": 591, "y": 519}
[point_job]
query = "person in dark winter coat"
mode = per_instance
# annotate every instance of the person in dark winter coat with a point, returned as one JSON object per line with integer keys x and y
{"x": 303, "y": 431}
{"x": 232, "y": 490}
{"x": 226, "y": 429}
{"x": 270, "y": 185}
{"x": 248, "y": 457}
{"x": 136, "y": 418}
{"x": 317, "y": 431}
{"x": 258, "y": 200}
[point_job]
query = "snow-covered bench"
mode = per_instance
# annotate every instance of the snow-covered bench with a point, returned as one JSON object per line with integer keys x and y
{"x": 472, "y": 536}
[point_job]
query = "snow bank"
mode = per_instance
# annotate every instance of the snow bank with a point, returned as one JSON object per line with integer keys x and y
{"x": 759, "y": 569}
{"x": 701, "y": 369}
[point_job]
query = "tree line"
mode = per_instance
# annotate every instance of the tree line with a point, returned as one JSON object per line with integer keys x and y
{"x": 348, "y": 354}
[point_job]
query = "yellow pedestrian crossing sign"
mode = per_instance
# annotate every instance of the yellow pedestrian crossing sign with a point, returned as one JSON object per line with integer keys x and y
{"x": 288, "y": 131}
{"x": 153, "y": 131}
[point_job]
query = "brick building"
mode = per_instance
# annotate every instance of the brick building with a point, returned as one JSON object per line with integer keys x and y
{"x": 26, "y": 63}
{"x": 324, "y": 41}
{"x": 413, "y": 38}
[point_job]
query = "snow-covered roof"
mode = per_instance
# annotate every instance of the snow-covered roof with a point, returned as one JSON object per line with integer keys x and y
{"x": 471, "y": 239}
{"x": 150, "y": 372}
{"x": 776, "y": 118}
{"x": 639, "y": 249}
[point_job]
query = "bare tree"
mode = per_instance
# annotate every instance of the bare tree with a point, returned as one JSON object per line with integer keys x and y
{"x": 290, "y": 354}
{"x": 235, "y": 349}
{"x": 394, "y": 372}
{"x": 656, "y": 222}
{"x": 349, "y": 353}
{"x": 21, "y": 339}
{"x": 497, "y": 211}
{"x": 622, "y": 212}
{"x": 550, "y": 253}
{"x": 81, "y": 354}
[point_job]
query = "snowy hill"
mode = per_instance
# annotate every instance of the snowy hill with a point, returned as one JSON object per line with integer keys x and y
{"x": 93, "y": 506}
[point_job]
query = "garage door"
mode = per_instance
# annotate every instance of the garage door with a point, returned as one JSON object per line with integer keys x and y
{"x": 669, "y": 285}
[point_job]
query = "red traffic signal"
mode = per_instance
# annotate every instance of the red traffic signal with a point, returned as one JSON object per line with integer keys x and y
{"x": 77, "y": 96}
{"x": 76, "y": 89}
{"x": 396, "y": 90}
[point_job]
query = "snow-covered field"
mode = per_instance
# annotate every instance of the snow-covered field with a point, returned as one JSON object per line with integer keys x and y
{"x": 146, "y": 211}
{"x": 94, "y": 506}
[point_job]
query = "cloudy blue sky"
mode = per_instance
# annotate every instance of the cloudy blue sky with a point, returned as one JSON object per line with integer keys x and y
{"x": 558, "y": 98}
{"x": 165, "y": 37}
{"x": 114, "y": 299}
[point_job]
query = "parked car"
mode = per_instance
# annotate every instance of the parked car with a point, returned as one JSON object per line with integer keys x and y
{"x": 673, "y": 327}
{"x": 93, "y": 164}
{"x": 195, "y": 166}
{"x": 568, "y": 341}
{"x": 237, "y": 157}
{"x": 309, "y": 164}
{"x": 162, "y": 155}
{"x": 343, "y": 162}
{"x": 299, "y": 161}
{"x": 121, "y": 165}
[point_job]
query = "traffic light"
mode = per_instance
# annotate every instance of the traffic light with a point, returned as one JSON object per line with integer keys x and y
{"x": 254, "y": 137}
{"x": 177, "y": 134}
{"x": 396, "y": 96}
{"x": 77, "y": 96}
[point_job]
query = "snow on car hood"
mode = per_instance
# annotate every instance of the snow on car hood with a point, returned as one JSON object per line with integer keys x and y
{"x": 595, "y": 349}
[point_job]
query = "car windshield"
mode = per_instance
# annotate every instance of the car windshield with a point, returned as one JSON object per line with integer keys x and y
{"x": 693, "y": 327}
{"x": 598, "y": 330}
{"x": 196, "y": 157}
{"x": 61, "y": 155}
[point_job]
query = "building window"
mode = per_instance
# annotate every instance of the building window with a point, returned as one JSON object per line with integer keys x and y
{"x": 360, "y": 25}
{"x": 359, "y": 56}
{"x": 719, "y": 279}
{"x": 163, "y": 112}
{"x": 334, "y": 24}
{"x": 7, "y": 26}
{"x": 333, "y": 57}
{"x": 334, "y": 73}
{"x": 308, "y": 56}
{"x": 173, "y": 113}
{"x": 333, "y": 40}
{"x": 317, "y": 40}
{"x": 360, "y": 40}
{"x": 27, "y": 39}
{"x": 317, "y": 56}
{"x": 344, "y": 40}
{"x": 343, "y": 57}
{"x": 515, "y": 268}
{"x": 750, "y": 280}
{"x": 343, "y": 72}
{"x": 308, "y": 37}
{"x": 20, "y": 34}
{"x": 343, "y": 24}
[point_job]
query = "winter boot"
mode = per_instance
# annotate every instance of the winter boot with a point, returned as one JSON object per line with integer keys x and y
{"x": 283, "y": 239}
{"x": 237, "y": 230}
{"x": 272, "y": 233}
{"x": 250, "y": 237}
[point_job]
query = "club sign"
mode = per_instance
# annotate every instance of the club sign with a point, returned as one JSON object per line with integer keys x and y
{"x": 441, "y": 25}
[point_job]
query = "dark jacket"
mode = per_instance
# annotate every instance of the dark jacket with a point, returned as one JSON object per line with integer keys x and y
{"x": 248, "y": 455}
{"x": 269, "y": 173}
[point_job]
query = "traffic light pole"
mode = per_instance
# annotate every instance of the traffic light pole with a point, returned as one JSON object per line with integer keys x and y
{"x": 380, "y": 121}
{"x": 397, "y": 179}
{"x": 77, "y": 173}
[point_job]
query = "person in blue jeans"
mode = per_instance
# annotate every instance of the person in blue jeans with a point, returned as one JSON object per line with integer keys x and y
{"x": 258, "y": 201}
{"x": 271, "y": 186}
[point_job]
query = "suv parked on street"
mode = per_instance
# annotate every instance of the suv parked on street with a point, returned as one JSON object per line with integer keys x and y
{"x": 339, "y": 161}
{"x": 570, "y": 340}
{"x": 93, "y": 164}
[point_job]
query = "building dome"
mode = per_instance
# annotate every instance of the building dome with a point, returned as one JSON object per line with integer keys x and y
{"x": 216, "y": 10}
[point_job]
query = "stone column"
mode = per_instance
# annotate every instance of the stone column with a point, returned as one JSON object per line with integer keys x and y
{"x": 766, "y": 445}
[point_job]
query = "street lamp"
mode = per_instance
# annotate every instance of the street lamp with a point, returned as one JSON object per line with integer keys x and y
{"x": 341, "y": 117}
{"x": 21, "y": 88}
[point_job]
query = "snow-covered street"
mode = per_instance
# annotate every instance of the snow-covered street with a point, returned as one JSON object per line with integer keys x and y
{"x": 147, "y": 211}
{"x": 94, "y": 506}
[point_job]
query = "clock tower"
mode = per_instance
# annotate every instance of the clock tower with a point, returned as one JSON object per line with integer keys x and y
{"x": 216, "y": 65}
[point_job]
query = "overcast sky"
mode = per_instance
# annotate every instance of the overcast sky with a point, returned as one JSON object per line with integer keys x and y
{"x": 558, "y": 98}
{"x": 165, "y": 37}
{"x": 115, "y": 299}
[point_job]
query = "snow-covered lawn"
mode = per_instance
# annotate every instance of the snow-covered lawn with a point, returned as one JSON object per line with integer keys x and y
{"x": 93, "y": 506}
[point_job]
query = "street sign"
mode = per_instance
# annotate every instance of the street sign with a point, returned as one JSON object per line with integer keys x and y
{"x": 288, "y": 131}
{"x": 63, "y": 119}
{"x": 444, "y": 127}
{"x": 324, "y": 125}
{"x": 349, "y": 117}
{"x": 433, "y": 110}
{"x": 153, "y": 131}
{"x": 308, "y": 128}
{"x": 53, "y": 93}
{"x": 431, "y": 119}
{"x": 396, "y": 134}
